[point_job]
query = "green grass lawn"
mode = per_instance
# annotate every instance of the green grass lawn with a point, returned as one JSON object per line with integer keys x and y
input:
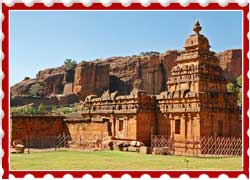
{"x": 117, "y": 160}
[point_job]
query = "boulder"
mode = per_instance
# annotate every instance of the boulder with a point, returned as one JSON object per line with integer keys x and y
{"x": 17, "y": 147}
{"x": 133, "y": 149}
{"x": 125, "y": 149}
{"x": 122, "y": 146}
{"x": 17, "y": 142}
{"x": 133, "y": 143}
{"x": 145, "y": 150}
{"x": 136, "y": 143}
{"x": 161, "y": 151}
{"x": 15, "y": 150}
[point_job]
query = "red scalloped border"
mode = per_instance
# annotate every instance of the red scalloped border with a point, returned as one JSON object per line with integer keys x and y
{"x": 119, "y": 6}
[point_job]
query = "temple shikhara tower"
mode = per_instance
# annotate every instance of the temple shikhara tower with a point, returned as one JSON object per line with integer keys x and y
{"x": 197, "y": 102}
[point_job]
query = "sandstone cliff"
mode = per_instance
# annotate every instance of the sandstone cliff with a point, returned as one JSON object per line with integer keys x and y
{"x": 52, "y": 80}
{"x": 231, "y": 62}
{"x": 91, "y": 78}
{"x": 152, "y": 70}
{"x": 118, "y": 73}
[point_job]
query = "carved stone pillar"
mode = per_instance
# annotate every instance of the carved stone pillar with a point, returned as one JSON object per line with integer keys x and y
{"x": 185, "y": 125}
{"x": 191, "y": 125}
{"x": 114, "y": 125}
{"x": 171, "y": 118}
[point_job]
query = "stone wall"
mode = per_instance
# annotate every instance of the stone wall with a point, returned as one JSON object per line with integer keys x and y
{"x": 131, "y": 117}
{"x": 84, "y": 131}
{"x": 38, "y": 131}
{"x": 230, "y": 124}
{"x": 162, "y": 126}
{"x": 144, "y": 127}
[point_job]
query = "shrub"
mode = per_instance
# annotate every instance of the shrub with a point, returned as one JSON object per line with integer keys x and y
{"x": 23, "y": 110}
{"x": 230, "y": 87}
{"x": 41, "y": 108}
{"x": 53, "y": 109}
{"x": 70, "y": 64}
{"x": 149, "y": 53}
{"x": 65, "y": 110}
{"x": 236, "y": 87}
{"x": 36, "y": 89}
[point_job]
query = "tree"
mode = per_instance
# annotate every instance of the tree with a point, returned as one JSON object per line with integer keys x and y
{"x": 236, "y": 87}
{"x": 239, "y": 81}
{"x": 70, "y": 64}
{"x": 37, "y": 89}
{"x": 239, "y": 84}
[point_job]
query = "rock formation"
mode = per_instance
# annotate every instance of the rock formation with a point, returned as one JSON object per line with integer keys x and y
{"x": 119, "y": 73}
{"x": 231, "y": 63}
{"x": 46, "y": 72}
{"x": 152, "y": 69}
{"x": 91, "y": 78}
{"x": 23, "y": 87}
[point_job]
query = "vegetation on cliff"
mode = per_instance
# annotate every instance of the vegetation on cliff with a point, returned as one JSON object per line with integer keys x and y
{"x": 235, "y": 86}
{"x": 42, "y": 109}
{"x": 37, "y": 89}
{"x": 29, "y": 109}
{"x": 147, "y": 53}
{"x": 123, "y": 71}
{"x": 70, "y": 64}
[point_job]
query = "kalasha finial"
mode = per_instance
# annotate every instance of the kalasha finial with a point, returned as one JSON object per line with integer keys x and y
{"x": 197, "y": 28}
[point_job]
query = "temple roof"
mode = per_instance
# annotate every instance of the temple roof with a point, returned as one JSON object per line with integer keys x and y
{"x": 197, "y": 41}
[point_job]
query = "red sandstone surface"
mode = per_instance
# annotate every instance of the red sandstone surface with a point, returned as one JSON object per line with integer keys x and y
{"x": 119, "y": 73}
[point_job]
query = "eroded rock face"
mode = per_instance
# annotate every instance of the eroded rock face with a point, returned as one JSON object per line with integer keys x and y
{"x": 91, "y": 78}
{"x": 23, "y": 87}
{"x": 53, "y": 84}
{"x": 231, "y": 62}
{"x": 119, "y": 73}
{"x": 47, "y": 72}
{"x": 152, "y": 70}
{"x": 53, "y": 81}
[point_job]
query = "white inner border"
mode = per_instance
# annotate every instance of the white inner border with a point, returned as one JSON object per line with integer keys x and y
{"x": 242, "y": 48}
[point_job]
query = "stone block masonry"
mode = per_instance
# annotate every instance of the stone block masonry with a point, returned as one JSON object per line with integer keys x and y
{"x": 39, "y": 131}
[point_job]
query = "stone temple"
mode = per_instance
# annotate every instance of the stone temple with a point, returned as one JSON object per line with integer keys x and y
{"x": 195, "y": 104}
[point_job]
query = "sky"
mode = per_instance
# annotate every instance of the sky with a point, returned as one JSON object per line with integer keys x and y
{"x": 44, "y": 39}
